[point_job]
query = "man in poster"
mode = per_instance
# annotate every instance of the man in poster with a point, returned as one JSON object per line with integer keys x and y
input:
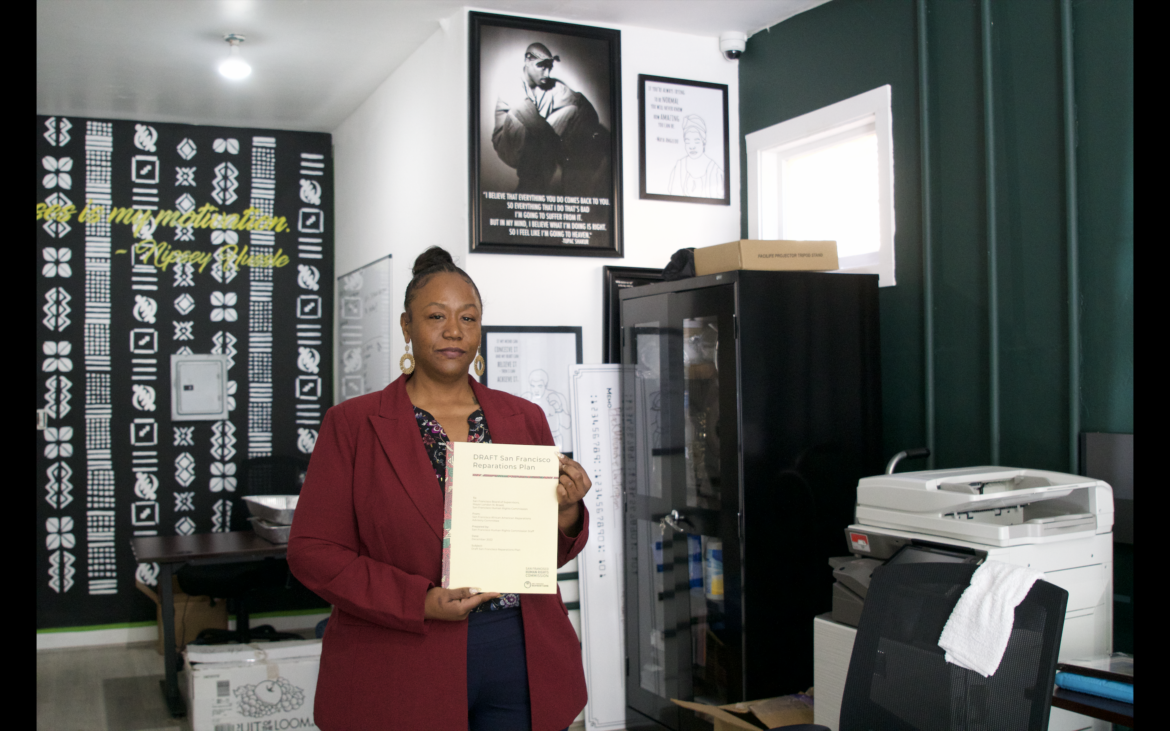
{"x": 552, "y": 137}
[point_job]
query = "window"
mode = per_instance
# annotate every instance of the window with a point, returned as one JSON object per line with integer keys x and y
{"x": 829, "y": 175}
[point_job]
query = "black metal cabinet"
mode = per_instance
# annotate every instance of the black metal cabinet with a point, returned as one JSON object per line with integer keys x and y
{"x": 753, "y": 406}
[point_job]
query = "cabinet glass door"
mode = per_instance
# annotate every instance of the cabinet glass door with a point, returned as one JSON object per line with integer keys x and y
{"x": 651, "y": 444}
{"x": 681, "y": 485}
{"x": 707, "y": 497}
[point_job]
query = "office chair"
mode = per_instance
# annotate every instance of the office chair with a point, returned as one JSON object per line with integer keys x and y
{"x": 236, "y": 581}
{"x": 899, "y": 679}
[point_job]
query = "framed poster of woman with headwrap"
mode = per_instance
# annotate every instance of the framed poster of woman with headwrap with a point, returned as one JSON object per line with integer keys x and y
{"x": 545, "y": 137}
{"x": 683, "y": 151}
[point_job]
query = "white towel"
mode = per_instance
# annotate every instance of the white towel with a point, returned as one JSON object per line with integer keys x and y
{"x": 977, "y": 632}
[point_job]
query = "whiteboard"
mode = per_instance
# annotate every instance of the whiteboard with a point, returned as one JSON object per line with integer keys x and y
{"x": 364, "y": 310}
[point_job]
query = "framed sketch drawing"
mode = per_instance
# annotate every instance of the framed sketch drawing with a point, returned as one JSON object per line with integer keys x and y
{"x": 533, "y": 363}
{"x": 364, "y": 319}
{"x": 683, "y": 150}
{"x": 614, "y": 280}
{"x": 545, "y": 137}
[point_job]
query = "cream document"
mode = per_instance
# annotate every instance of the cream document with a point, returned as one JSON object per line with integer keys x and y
{"x": 500, "y": 522}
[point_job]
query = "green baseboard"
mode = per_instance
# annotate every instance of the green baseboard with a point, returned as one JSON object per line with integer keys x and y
{"x": 288, "y": 613}
{"x": 92, "y": 627}
{"x": 152, "y": 623}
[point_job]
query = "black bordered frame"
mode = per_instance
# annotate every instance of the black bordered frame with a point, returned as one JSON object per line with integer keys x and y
{"x": 506, "y": 329}
{"x": 614, "y": 280}
{"x": 525, "y": 367}
{"x": 512, "y": 192}
{"x": 659, "y": 107}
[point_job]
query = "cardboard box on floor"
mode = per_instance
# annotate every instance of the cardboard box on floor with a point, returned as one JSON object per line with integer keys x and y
{"x": 264, "y": 685}
{"x": 768, "y": 256}
{"x": 786, "y": 710}
{"x": 193, "y": 614}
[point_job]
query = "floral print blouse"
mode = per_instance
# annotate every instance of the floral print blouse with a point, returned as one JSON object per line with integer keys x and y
{"x": 435, "y": 442}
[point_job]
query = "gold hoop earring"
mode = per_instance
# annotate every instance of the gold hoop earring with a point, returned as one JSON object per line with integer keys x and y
{"x": 407, "y": 369}
{"x": 479, "y": 364}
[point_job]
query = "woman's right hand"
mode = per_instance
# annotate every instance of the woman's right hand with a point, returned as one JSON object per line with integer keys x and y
{"x": 453, "y": 605}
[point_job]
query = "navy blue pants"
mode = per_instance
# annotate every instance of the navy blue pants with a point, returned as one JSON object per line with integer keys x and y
{"x": 497, "y": 672}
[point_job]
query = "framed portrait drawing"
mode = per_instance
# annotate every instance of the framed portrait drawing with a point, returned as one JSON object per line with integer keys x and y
{"x": 614, "y": 280}
{"x": 545, "y": 137}
{"x": 683, "y": 152}
{"x": 533, "y": 363}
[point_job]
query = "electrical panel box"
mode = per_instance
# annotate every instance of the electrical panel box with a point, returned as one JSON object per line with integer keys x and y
{"x": 199, "y": 387}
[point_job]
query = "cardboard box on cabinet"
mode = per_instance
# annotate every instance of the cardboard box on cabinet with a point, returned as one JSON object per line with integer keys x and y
{"x": 768, "y": 256}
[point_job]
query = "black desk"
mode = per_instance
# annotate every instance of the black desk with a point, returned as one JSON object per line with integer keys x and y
{"x": 1106, "y": 709}
{"x": 1094, "y": 706}
{"x": 173, "y": 552}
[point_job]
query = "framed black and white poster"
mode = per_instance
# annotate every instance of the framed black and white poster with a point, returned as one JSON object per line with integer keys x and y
{"x": 683, "y": 150}
{"x": 614, "y": 280}
{"x": 533, "y": 363}
{"x": 545, "y": 137}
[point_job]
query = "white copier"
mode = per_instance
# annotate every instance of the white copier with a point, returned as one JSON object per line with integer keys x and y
{"x": 1056, "y": 523}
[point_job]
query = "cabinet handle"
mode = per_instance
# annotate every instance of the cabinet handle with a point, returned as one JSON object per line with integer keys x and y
{"x": 673, "y": 520}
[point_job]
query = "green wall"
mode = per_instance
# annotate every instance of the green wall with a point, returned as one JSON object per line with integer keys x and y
{"x": 846, "y": 47}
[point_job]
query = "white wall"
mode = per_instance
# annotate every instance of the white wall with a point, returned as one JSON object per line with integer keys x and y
{"x": 401, "y": 176}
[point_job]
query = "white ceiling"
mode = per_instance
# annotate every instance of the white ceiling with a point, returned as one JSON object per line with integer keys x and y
{"x": 314, "y": 61}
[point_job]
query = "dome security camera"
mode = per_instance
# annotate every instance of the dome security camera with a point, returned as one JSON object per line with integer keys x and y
{"x": 732, "y": 43}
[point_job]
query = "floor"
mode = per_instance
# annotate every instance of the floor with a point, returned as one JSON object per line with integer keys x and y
{"x": 109, "y": 688}
{"x": 112, "y": 688}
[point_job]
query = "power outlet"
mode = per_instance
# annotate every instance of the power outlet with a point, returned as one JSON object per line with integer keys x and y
{"x": 42, "y": 419}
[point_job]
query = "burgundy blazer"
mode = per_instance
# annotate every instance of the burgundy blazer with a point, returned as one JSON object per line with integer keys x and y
{"x": 367, "y": 537}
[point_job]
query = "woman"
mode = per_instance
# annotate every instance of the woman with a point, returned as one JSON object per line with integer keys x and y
{"x": 400, "y": 651}
{"x": 696, "y": 174}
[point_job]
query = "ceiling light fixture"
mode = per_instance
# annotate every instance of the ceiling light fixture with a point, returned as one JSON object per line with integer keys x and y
{"x": 234, "y": 68}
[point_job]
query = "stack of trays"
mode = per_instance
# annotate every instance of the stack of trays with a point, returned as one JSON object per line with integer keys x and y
{"x": 272, "y": 516}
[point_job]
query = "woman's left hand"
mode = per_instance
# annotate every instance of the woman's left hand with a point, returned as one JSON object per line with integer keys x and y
{"x": 574, "y": 483}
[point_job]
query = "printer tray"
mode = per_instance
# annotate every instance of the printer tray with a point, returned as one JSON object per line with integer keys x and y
{"x": 847, "y": 606}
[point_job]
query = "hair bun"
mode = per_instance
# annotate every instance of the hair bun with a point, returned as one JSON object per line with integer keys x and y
{"x": 431, "y": 258}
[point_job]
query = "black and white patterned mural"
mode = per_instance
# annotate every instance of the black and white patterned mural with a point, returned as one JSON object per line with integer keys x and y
{"x": 158, "y": 239}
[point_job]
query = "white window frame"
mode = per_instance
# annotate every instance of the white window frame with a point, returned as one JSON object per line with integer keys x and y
{"x": 766, "y": 149}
